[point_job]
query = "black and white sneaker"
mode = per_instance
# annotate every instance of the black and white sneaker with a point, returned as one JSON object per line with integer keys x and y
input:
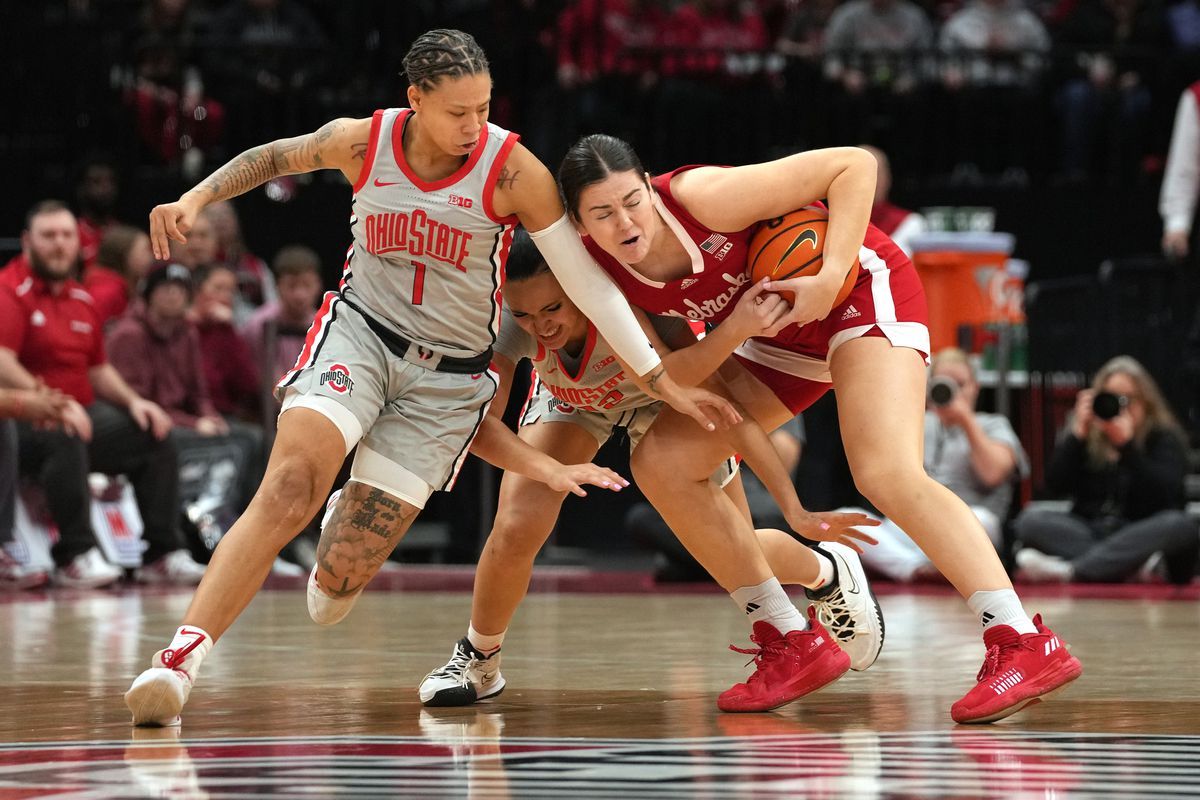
{"x": 848, "y": 608}
{"x": 468, "y": 676}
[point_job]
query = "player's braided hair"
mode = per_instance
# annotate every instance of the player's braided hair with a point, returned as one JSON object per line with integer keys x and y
{"x": 443, "y": 53}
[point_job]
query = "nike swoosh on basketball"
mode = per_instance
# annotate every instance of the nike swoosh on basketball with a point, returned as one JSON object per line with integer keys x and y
{"x": 386, "y": 183}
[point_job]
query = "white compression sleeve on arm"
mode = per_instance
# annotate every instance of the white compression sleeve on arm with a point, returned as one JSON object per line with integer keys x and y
{"x": 590, "y": 288}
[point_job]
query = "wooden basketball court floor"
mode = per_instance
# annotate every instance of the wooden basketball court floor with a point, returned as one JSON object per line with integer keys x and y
{"x": 609, "y": 695}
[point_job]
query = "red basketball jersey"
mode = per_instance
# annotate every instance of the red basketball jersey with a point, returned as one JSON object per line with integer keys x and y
{"x": 718, "y": 274}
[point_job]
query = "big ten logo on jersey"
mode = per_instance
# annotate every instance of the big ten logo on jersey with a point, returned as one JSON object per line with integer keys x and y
{"x": 337, "y": 378}
{"x": 602, "y": 363}
{"x": 460, "y": 201}
{"x": 417, "y": 234}
{"x": 593, "y": 398}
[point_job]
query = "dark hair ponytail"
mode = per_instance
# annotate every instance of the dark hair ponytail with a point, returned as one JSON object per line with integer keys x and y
{"x": 443, "y": 53}
{"x": 524, "y": 259}
{"x": 590, "y": 160}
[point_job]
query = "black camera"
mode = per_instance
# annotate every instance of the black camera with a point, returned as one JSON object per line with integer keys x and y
{"x": 942, "y": 390}
{"x": 1107, "y": 405}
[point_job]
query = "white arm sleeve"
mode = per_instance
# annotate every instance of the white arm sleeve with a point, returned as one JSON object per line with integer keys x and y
{"x": 1181, "y": 178}
{"x": 590, "y": 288}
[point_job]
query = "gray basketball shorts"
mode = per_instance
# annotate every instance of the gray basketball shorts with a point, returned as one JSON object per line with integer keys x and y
{"x": 545, "y": 407}
{"x": 413, "y": 425}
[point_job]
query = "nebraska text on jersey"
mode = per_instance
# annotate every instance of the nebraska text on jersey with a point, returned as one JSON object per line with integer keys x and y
{"x": 419, "y": 234}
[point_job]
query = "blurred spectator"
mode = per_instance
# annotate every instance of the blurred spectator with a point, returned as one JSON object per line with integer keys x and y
{"x": 676, "y": 564}
{"x": 971, "y": 453}
{"x": 803, "y": 33}
{"x": 96, "y": 191}
{"x": 1106, "y": 101}
{"x": 262, "y": 56}
{"x": 177, "y": 124}
{"x": 49, "y": 332}
{"x": 1181, "y": 180}
{"x": 276, "y": 332}
{"x": 40, "y": 406}
{"x": 1183, "y": 22}
{"x": 122, "y": 263}
{"x": 256, "y": 285}
{"x": 229, "y": 369}
{"x": 156, "y": 348}
{"x": 1122, "y": 464}
{"x": 993, "y": 57}
{"x": 898, "y": 223}
{"x": 876, "y": 57}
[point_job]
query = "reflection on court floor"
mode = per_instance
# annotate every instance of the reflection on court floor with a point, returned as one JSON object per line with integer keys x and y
{"x": 467, "y": 755}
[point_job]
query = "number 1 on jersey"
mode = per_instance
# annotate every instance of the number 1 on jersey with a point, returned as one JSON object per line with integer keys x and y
{"x": 418, "y": 282}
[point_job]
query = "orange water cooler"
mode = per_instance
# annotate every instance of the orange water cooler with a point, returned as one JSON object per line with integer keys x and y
{"x": 966, "y": 282}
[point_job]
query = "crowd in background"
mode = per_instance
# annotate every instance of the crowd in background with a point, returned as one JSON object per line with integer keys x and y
{"x": 184, "y": 352}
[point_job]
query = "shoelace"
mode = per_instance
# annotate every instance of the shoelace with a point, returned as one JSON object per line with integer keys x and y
{"x": 457, "y": 666}
{"x": 763, "y": 652}
{"x": 996, "y": 656}
{"x": 835, "y": 615}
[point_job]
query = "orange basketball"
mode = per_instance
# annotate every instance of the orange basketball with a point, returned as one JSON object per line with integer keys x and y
{"x": 791, "y": 246}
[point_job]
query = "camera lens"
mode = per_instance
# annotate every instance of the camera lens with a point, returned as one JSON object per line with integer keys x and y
{"x": 942, "y": 390}
{"x": 1107, "y": 405}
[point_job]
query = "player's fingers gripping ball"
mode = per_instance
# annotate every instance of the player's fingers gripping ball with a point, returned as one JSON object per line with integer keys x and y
{"x": 792, "y": 246}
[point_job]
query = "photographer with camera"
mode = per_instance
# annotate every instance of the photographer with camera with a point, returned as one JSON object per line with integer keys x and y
{"x": 1122, "y": 463}
{"x": 973, "y": 454}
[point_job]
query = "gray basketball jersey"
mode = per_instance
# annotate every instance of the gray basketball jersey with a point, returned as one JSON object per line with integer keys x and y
{"x": 594, "y": 381}
{"x": 427, "y": 258}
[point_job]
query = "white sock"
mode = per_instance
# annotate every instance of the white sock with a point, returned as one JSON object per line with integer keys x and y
{"x": 486, "y": 643}
{"x": 191, "y": 641}
{"x": 1000, "y": 607}
{"x": 825, "y": 571}
{"x": 769, "y": 602}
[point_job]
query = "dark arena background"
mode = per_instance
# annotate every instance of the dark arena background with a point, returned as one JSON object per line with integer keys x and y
{"x": 1043, "y": 161}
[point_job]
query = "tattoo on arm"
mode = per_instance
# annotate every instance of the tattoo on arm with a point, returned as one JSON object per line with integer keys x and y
{"x": 260, "y": 164}
{"x": 506, "y": 179}
{"x": 655, "y": 377}
{"x": 359, "y": 150}
{"x": 362, "y": 531}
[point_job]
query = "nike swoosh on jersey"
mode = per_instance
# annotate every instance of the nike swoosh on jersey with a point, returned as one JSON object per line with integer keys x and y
{"x": 386, "y": 183}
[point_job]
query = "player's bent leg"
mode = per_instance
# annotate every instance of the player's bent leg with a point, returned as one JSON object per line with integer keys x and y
{"x": 306, "y": 456}
{"x": 357, "y": 535}
{"x": 846, "y": 605}
{"x": 525, "y": 516}
{"x": 880, "y": 395}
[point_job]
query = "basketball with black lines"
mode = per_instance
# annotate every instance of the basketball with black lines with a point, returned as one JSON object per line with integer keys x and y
{"x": 792, "y": 246}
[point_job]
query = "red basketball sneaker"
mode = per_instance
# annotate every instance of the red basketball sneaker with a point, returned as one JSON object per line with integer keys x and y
{"x": 786, "y": 667}
{"x": 1018, "y": 670}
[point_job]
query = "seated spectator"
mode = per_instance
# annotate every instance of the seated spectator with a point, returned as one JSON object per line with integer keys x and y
{"x": 40, "y": 406}
{"x": 229, "y": 368}
{"x": 1105, "y": 102}
{"x": 973, "y": 454}
{"x": 156, "y": 349}
{"x": 276, "y": 332}
{"x": 255, "y": 284}
{"x": 677, "y": 564}
{"x": 97, "y": 189}
{"x": 898, "y": 223}
{"x": 993, "y": 58}
{"x": 49, "y": 332}
{"x": 121, "y": 264}
{"x": 1122, "y": 464}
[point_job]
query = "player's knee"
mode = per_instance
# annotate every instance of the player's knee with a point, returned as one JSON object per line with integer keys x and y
{"x": 290, "y": 491}
{"x": 512, "y": 539}
{"x": 886, "y": 483}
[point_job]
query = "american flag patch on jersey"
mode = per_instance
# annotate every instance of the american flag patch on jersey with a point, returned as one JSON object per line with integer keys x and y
{"x": 713, "y": 242}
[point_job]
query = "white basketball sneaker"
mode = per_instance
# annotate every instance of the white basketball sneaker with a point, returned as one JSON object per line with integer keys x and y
{"x": 326, "y": 610}
{"x": 157, "y": 696}
{"x": 468, "y": 676}
{"x": 848, "y": 608}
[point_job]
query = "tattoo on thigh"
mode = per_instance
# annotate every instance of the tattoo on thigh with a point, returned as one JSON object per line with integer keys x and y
{"x": 362, "y": 531}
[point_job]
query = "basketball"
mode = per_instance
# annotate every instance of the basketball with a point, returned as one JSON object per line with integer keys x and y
{"x": 791, "y": 246}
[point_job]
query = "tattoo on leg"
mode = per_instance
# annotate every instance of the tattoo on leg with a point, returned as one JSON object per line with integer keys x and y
{"x": 364, "y": 528}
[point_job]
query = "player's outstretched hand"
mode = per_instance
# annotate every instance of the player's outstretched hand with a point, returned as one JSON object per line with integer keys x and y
{"x": 573, "y": 477}
{"x": 170, "y": 221}
{"x": 710, "y": 410}
{"x": 834, "y": 526}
